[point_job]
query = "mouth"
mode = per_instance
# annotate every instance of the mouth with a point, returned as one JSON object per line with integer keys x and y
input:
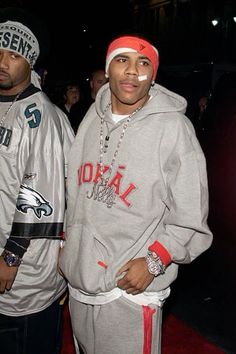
{"x": 3, "y": 75}
{"x": 129, "y": 86}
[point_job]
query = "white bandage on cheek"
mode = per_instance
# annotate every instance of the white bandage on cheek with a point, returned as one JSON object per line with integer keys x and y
{"x": 142, "y": 77}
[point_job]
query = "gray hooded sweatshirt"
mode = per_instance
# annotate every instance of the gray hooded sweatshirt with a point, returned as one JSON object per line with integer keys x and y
{"x": 160, "y": 182}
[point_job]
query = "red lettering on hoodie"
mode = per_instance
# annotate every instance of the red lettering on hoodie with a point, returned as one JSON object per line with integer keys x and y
{"x": 85, "y": 175}
{"x": 126, "y": 193}
{"x": 98, "y": 173}
{"x": 116, "y": 182}
{"x": 87, "y": 172}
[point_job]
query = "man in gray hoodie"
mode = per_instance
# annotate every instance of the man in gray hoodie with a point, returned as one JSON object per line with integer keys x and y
{"x": 137, "y": 205}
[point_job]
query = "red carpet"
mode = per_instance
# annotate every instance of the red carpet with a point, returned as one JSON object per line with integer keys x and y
{"x": 178, "y": 338}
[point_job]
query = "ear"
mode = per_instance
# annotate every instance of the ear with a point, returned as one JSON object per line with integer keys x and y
{"x": 106, "y": 76}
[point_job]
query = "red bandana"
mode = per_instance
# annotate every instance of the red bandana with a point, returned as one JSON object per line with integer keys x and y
{"x": 135, "y": 44}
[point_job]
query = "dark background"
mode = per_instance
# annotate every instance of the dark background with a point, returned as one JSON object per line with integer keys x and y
{"x": 79, "y": 32}
{"x": 194, "y": 55}
{"x": 180, "y": 29}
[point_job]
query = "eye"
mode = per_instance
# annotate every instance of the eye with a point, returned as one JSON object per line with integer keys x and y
{"x": 121, "y": 59}
{"x": 145, "y": 62}
{"x": 14, "y": 55}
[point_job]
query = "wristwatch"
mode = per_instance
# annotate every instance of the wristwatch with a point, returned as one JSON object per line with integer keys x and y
{"x": 154, "y": 263}
{"x": 11, "y": 259}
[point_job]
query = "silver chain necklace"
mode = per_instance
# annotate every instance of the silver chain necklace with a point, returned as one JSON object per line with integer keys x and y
{"x": 102, "y": 192}
{"x": 8, "y": 109}
{"x": 104, "y": 146}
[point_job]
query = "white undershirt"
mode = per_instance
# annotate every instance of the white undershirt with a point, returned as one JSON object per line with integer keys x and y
{"x": 117, "y": 117}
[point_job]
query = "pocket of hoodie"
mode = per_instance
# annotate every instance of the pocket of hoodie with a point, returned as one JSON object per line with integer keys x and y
{"x": 84, "y": 260}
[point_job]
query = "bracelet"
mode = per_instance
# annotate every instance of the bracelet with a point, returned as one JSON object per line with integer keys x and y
{"x": 154, "y": 263}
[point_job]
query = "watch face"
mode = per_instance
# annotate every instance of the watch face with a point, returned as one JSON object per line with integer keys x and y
{"x": 11, "y": 260}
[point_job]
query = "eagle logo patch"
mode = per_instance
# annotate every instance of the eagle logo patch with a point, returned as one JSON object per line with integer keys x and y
{"x": 30, "y": 199}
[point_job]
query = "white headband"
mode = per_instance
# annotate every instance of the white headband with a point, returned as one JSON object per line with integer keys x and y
{"x": 16, "y": 37}
{"x": 114, "y": 53}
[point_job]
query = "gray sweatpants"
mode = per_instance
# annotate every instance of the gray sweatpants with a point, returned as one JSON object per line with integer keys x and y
{"x": 119, "y": 327}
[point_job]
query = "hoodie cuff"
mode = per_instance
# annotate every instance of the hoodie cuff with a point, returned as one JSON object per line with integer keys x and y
{"x": 161, "y": 252}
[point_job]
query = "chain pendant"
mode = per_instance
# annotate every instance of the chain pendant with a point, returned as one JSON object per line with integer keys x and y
{"x": 102, "y": 192}
{"x": 106, "y": 144}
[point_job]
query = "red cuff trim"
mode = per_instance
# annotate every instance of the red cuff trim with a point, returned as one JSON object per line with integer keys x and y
{"x": 161, "y": 252}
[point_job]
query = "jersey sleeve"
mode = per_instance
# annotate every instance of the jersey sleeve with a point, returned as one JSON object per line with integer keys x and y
{"x": 40, "y": 204}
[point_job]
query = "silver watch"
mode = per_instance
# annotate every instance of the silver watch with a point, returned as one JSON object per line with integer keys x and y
{"x": 154, "y": 263}
{"x": 11, "y": 259}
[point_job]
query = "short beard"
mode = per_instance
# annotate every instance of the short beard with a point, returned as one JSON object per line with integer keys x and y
{"x": 6, "y": 85}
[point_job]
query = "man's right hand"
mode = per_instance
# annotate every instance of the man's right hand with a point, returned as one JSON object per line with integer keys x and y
{"x": 7, "y": 276}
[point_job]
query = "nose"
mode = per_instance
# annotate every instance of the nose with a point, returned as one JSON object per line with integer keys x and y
{"x": 132, "y": 68}
{"x": 3, "y": 60}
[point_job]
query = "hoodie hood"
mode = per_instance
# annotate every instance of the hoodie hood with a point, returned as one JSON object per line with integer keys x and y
{"x": 162, "y": 101}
